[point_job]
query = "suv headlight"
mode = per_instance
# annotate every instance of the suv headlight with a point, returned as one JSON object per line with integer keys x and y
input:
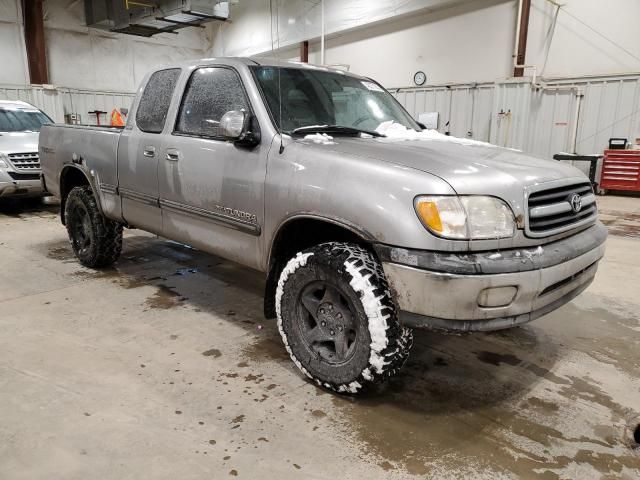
{"x": 3, "y": 160}
{"x": 465, "y": 217}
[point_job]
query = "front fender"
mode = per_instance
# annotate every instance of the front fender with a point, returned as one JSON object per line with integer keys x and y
{"x": 371, "y": 197}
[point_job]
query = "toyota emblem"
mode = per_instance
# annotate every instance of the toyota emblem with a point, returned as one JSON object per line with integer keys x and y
{"x": 576, "y": 202}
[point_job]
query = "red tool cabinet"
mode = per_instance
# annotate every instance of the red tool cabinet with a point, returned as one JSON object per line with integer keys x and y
{"x": 621, "y": 170}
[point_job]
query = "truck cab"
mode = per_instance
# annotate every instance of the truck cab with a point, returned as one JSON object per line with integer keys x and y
{"x": 20, "y": 125}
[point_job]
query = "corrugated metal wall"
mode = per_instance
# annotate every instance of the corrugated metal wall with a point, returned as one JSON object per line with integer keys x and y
{"x": 538, "y": 120}
{"x": 84, "y": 101}
{"x": 466, "y": 108}
{"x": 56, "y": 102}
{"x": 48, "y": 101}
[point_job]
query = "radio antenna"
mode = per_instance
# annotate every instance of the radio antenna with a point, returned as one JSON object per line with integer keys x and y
{"x": 275, "y": 53}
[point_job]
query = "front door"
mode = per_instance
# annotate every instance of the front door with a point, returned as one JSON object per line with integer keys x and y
{"x": 139, "y": 152}
{"x": 212, "y": 190}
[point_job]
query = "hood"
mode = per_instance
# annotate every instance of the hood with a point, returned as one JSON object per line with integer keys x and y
{"x": 471, "y": 168}
{"x": 18, "y": 142}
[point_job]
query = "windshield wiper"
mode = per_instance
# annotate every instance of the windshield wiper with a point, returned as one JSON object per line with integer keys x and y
{"x": 335, "y": 129}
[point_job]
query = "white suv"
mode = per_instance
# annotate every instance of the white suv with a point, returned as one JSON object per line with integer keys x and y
{"x": 20, "y": 125}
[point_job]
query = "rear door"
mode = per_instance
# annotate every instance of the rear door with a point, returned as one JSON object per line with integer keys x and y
{"x": 211, "y": 189}
{"x": 139, "y": 151}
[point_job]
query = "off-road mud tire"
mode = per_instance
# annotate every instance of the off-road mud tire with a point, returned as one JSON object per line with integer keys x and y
{"x": 95, "y": 240}
{"x": 381, "y": 345}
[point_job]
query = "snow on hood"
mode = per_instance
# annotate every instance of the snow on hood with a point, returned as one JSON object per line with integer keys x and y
{"x": 393, "y": 130}
{"x": 320, "y": 138}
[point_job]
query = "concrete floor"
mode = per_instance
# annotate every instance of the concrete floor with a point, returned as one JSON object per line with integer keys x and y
{"x": 165, "y": 368}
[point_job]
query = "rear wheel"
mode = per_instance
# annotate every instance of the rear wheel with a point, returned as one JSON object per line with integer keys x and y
{"x": 337, "y": 318}
{"x": 96, "y": 241}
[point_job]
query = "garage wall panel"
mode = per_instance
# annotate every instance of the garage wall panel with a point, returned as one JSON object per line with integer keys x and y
{"x": 87, "y": 58}
{"x": 13, "y": 68}
{"x": 537, "y": 120}
{"x": 611, "y": 108}
{"x": 451, "y": 41}
{"x": 9, "y": 10}
{"x": 49, "y": 101}
{"x": 59, "y": 101}
{"x": 84, "y": 101}
{"x": 146, "y": 57}
{"x": 467, "y": 108}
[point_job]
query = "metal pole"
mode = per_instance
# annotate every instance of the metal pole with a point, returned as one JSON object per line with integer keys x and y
{"x": 576, "y": 124}
{"x": 322, "y": 32}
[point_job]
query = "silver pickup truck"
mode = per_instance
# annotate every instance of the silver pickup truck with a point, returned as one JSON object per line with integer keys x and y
{"x": 20, "y": 123}
{"x": 365, "y": 224}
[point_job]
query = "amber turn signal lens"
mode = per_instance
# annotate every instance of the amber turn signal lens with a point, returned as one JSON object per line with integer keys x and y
{"x": 428, "y": 213}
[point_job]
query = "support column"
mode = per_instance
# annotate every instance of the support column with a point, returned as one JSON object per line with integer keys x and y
{"x": 34, "y": 40}
{"x": 304, "y": 51}
{"x": 522, "y": 38}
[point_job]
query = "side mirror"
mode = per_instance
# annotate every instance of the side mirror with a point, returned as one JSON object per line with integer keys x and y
{"x": 233, "y": 124}
{"x": 241, "y": 127}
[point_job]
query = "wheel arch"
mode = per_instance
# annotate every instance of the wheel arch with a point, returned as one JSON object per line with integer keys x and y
{"x": 302, "y": 231}
{"x": 71, "y": 177}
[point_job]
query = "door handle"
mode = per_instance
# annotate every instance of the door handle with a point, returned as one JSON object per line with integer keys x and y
{"x": 173, "y": 155}
{"x": 149, "y": 151}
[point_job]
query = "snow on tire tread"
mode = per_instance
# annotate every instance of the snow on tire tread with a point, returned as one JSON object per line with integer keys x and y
{"x": 390, "y": 342}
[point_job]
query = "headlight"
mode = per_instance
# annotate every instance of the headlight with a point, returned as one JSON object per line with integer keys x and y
{"x": 3, "y": 158}
{"x": 465, "y": 217}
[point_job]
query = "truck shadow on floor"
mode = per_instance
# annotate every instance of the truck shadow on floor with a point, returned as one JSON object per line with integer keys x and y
{"x": 28, "y": 207}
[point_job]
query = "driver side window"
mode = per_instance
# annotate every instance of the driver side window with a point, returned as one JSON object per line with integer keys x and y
{"x": 210, "y": 93}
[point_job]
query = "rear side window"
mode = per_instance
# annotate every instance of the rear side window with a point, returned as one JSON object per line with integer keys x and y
{"x": 211, "y": 93}
{"x": 155, "y": 100}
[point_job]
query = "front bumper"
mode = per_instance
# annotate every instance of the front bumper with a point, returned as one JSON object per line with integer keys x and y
{"x": 17, "y": 187}
{"x": 491, "y": 290}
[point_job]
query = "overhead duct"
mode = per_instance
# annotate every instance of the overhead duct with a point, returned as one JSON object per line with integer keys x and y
{"x": 147, "y": 18}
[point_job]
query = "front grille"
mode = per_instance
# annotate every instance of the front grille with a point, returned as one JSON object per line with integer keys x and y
{"x": 551, "y": 211}
{"x": 25, "y": 161}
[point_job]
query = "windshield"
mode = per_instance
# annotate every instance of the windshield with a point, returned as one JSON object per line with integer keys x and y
{"x": 22, "y": 119}
{"x": 318, "y": 97}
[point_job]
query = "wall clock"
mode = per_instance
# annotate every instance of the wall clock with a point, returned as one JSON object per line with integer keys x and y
{"x": 419, "y": 78}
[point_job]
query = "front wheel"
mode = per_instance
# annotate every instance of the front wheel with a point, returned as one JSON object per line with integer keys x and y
{"x": 96, "y": 241}
{"x": 337, "y": 319}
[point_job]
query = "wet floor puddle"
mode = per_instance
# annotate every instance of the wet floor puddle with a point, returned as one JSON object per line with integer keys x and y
{"x": 493, "y": 405}
{"x": 621, "y": 223}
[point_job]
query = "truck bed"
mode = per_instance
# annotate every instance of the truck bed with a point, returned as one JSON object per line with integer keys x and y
{"x": 90, "y": 148}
